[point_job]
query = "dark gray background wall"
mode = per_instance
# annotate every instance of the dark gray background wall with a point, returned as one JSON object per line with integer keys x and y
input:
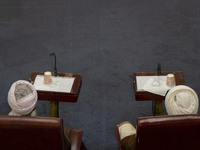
{"x": 105, "y": 41}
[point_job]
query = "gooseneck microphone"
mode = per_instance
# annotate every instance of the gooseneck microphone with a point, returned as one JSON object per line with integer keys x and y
{"x": 159, "y": 70}
{"x": 55, "y": 69}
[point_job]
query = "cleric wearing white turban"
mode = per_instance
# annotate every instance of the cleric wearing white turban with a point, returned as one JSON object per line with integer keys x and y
{"x": 181, "y": 99}
{"x": 22, "y": 98}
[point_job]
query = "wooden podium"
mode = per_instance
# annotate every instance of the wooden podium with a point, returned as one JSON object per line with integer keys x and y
{"x": 147, "y": 96}
{"x": 56, "y": 97}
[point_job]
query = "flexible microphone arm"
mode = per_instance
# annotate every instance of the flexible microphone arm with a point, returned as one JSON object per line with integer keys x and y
{"x": 159, "y": 70}
{"x": 55, "y": 69}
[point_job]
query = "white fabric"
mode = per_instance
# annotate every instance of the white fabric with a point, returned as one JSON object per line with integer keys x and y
{"x": 181, "y": 100}
{"x": 24, "y": 105}
{"x": 126, "y": 129}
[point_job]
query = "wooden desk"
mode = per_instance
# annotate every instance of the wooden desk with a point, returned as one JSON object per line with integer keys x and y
{"x": 147, "y": 96}
{"x": 55, "y": 97}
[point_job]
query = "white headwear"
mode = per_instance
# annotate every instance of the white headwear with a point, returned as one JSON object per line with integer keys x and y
{"x": 22, "y": 98}
{"x": 181, "y": 100}
{"x": 126, "y": 129}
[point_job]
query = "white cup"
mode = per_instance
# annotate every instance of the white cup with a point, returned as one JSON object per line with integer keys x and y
{"x": 170, "y": 80}
{"x": 47, "y": 77}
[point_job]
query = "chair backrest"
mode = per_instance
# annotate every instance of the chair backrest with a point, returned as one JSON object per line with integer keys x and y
{"x": 31, "y": 133}
{"x": 168, "y": 132}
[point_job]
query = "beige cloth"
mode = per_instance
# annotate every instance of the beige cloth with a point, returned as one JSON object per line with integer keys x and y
{"x": 127, "y": 133}
{"x": 181, "y": 100}
{"x": 126, "y": 129}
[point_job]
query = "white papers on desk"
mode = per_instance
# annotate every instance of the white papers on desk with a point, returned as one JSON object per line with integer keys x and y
{"x": 153, "y": 84}
{"x": 59, "y": 84}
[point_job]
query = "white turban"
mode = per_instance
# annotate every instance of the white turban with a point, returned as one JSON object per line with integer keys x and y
{"x": 181, "y": 100}
{"x": 22, "y": 98}
{"x": 126, "y": 129}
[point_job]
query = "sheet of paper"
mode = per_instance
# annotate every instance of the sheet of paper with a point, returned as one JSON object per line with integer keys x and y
{"x": 141, "y": 81}
{"x": 153, "y": 84}
{"x": 59, "y": 84}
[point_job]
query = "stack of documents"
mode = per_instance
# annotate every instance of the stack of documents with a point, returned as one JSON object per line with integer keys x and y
{"x": 153, "y": 84}
{"x": 59, "y": 84}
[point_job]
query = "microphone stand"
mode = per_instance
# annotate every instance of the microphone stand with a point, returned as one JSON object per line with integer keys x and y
{"x": 159, "y": 70}
{"x": 54, "y": 105}
{"x": 157, "y": 103}
{"x": 55, "y": 69}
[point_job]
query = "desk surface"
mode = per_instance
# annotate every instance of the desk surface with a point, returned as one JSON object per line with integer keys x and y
{"x": 145, "y": 96}
{"x": 59, "y": 96}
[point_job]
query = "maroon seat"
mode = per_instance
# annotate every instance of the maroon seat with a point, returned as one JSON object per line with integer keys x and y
{"x": 35, "y": 133}
{"x": 167, "y": 132}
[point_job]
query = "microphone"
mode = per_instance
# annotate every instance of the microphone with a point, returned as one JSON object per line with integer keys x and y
{"x": 159, "y": 70}
{"x": 55, "y": 69}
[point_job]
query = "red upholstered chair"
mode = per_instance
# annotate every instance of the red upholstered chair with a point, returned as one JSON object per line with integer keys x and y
{"x": 35, "y": 133}
{"x": 167, "y": 133}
